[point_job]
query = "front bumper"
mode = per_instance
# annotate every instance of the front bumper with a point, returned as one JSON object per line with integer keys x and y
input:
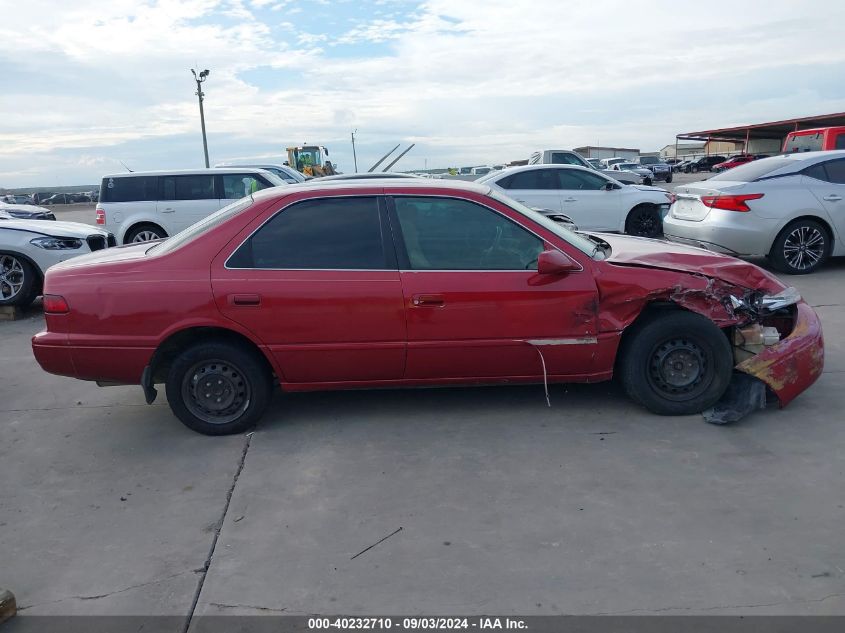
{"x": 789, "y": 367}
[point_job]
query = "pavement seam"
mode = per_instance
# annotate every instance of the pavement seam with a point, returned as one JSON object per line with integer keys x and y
{"x": 222, "y": 605}
{"x": 106, "y": 595}
{"x": 217, "y": 532}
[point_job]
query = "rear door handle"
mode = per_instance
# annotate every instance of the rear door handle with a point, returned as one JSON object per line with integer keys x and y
{"x": 570, "y": 199}
{"x": 833, "y": 198}
{"x": 168, "y": 210}
{"x": 428, "y": 301}
{"x": 245, "y": 300}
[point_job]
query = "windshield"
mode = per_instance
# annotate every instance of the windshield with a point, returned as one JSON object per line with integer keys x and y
{"x": 627, "y": 166}
{"x": 649, "y": 160}
{"x": 581, "y": 243}
{"x": 753, "y": 170}
{"x": 803, "y": 143}
{"x": 206, "y": 224}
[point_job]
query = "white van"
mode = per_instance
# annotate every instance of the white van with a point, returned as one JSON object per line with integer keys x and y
{"x": 143, "y": 206}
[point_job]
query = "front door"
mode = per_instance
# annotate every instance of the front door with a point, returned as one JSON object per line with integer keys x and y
{"x": 318, "y": 285}
{"x": 476, "y": 306}
{"x": 588, "y": 202}
{"x": 827, "y": 182}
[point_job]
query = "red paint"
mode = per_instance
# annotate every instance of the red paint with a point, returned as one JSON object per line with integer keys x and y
{"x": 734, "y": 161}
{"x": 326, "y": 329}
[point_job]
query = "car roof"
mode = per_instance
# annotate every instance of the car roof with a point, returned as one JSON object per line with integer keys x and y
{"x": 186, "y": 172}
{"x": 519, "y": 168}
{"x": 372, "y": 186}
{"x": 365, "y": 176}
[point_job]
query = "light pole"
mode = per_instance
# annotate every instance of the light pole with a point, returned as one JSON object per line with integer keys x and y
{"x": 354, "y": 155}
{"x": 200, "y": 94}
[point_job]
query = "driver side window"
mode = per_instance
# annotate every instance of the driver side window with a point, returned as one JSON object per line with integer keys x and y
{"x": 452, "y": 234}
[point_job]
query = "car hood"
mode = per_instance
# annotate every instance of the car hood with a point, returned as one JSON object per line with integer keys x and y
{"x": 53, "y": 229}
{"x": 31, "y": 208}
{"x": 651, "y": 253}
{"x": 649, "y": 188}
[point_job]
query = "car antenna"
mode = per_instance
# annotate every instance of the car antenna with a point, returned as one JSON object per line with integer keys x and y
{"x": 124, "y": 166}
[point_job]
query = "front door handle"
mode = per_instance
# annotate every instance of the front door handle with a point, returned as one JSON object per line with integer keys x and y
{"x": 570, "y": 199}
{"x": 833, "y": 198}
{"x": 245, "y": 300}
{"x": 168, "y": 210}
{"x": 428, "y": 301}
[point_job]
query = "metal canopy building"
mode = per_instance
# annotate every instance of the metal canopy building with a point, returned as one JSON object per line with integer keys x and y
{"x": 762, "y": 137}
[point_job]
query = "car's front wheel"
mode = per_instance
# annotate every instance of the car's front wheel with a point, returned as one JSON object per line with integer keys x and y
{"x": 801, "y": 247}
{"x": 219, "y": 388}
{"x": 676, "y": 363}
{"x": 18, "y": 281}
{"x": 669, "y": 178}
{"x": 644, "y": 221}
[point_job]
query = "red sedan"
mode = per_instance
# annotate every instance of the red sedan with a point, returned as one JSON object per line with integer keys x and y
{"x": 400, "y": 283}
{"x": 733, "y": 161}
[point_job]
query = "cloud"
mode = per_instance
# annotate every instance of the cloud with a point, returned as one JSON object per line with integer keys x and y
{"x": 471, "y": 82}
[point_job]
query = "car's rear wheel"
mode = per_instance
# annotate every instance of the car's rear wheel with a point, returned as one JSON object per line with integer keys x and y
{"x": 648, "y": 182}
{"x": 218, "y": 388}
{"x": 669, "y": 178}
{"x": 144, "y": 233}
{"x": 18, "y": 281}
{"x": 644, "y": 221}
{"x": 676, "y": 363}
{"x": 801, "y": 247}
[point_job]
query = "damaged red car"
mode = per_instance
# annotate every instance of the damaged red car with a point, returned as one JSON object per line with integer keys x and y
{"x": 407, "y": 283}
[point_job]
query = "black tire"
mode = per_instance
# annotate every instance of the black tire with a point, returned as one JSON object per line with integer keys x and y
{"x": 669, "y": 178}
{"x": 233, "y": 381}
{"x": 644, "y": 221}
{"x": 653, "y": 355}
{"x": 19, "y": 281}
{"x": 816, "y": 241}
{"x": 648, "y": 182}
{"x": 144, "y": 233}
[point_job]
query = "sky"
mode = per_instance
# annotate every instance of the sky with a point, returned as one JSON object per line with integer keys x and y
{"x": 92, "y": 85}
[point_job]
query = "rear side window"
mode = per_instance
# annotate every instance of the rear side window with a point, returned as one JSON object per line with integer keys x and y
{"x": 750, "y": 172}
{"x": 129, "y": 189}
{"x": 831, "y": 171}
{"x": 840, "y": 141}
{"x": 581, "y": 180}
{"x": 320, "y": 234}
{"x": 198, "y": 187}
{"x": 531, "y": 179}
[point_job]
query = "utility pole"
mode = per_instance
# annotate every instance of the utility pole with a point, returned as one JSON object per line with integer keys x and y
{"x": 200, "y": 94}
{"x": 354, "y": 155}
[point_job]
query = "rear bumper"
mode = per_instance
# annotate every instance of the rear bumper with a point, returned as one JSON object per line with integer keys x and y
{"x": 724, "y": 232}
{"x": 105, "y": 364}
{"x": 789, "y": 367}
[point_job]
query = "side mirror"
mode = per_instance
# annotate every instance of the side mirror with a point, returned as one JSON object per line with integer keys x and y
{"x": 554, "y": 262}
{"x": 609, "y": 186}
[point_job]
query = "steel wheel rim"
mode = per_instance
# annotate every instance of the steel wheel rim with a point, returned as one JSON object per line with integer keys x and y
{"x": 216, "y": 391}
{"x": 146, "y": 236}
{"x": 804, "y": 247}
{"x": 12, "y": 277}
{"x": 679, "y": 369}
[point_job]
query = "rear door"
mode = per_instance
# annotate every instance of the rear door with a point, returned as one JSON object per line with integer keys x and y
{"x": 537, "y": 188}
{"x": 185, "y": 200}
{"x": 318, "y": 284}
{"x": 587, "y": 202}
{"x": 827, "y": 182}
{"x": 476, "y": 306}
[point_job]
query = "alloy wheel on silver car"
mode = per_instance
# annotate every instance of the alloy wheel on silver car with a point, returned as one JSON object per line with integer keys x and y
{"x": 145, "y": 236}
{"x": 12, "y": 277}
{"x": 804, "y": 247}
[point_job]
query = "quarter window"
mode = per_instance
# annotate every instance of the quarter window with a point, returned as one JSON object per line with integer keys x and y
{"x": 198, "y": 187}
{"x": 452, "y": 234}
{"x": 325, "y": 233}
{"x": 836, "y": 171}
{"x": 129, "y": 189}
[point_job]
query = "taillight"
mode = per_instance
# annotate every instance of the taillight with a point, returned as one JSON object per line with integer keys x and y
{"x": 671, "y": 197}
{"x": 101, "y": 216}
{"x": 731, "y": 203}
{"x": 55, "y": 304}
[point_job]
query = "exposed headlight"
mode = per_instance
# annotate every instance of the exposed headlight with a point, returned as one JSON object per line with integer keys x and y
{"x": 57, "y": 243}
{"x": 788, "y": 297}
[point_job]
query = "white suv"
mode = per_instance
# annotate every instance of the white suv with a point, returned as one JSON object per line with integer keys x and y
{"x": 143, "y": 206}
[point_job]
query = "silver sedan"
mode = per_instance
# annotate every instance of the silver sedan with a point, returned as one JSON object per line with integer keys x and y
{"x": 789, "y": 208}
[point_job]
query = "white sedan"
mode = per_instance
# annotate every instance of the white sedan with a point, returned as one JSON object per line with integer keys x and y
{"x": 29, "y": 247}
{"x": 595, "y": 202}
